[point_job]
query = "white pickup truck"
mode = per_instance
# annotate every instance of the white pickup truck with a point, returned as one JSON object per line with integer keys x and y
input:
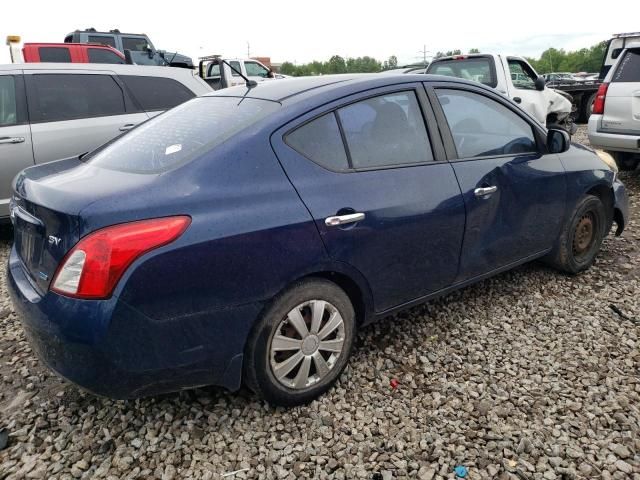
{"x": 221, "y": 72}
{"x": 514, "y": 78}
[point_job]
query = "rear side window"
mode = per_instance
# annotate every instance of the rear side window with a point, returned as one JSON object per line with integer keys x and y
{"x": 101, "y": 55}
{"x": 320, "y": 141}
{"x": 180, "y": 135}
{"x": 477, "y": 69}
{"x": 386, "y": 130}
{"x": 105, "y": 40}
{"x": 8, "y": 105}
{"x": 483, "y": 127}
{"x": 58, "y": 97}
{"x": 157, "y": 93}
{"x": 54, "y": 54}
{"x": 628, "y": 69}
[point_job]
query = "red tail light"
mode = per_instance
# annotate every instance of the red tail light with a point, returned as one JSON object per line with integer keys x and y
{"x": 598, "y": 105}
{"x": 96, "y": 263}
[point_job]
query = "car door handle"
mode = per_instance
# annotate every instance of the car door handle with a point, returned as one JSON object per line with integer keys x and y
{"x": 11, "y": 139}
{"x": 343, "y": 219}
{"x": 126, "y": 127}
{"x": 483, "y": 191}
{"x": 517, "y": 99}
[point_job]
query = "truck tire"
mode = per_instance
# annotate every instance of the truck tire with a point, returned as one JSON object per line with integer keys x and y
{"x": 587, "y": 107}
{"x": 626, "y": 161}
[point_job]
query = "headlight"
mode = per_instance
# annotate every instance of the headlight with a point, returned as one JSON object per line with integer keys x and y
{"x": 608, "y": 159}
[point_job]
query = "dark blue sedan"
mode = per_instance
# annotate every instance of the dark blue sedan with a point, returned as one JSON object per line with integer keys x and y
{"x": 246, "y": 235}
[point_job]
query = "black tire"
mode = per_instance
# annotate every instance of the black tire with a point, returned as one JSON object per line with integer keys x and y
{"x": 574, "y": 250}
{"x": 258, "y": 373}
{"x": 626, "y": 161}
{"x": 587, "y": 107}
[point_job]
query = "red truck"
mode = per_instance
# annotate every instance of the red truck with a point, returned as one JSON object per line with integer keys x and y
{"x": 71, "y": 53}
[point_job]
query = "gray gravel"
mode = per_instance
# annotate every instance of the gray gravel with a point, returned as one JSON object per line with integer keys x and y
{"x": 529, "y": 375}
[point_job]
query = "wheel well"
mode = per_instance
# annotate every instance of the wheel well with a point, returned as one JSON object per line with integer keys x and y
{"x": 605, "y": 195}
{"x": 352, "y": 290}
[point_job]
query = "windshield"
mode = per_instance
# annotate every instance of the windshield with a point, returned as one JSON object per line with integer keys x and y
{"x": 477, "y": 69}
{"x": 181, "y": 134}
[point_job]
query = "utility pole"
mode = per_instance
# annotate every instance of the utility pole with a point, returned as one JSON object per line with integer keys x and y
{"x": 424, "y": 52}
{"x": 248, "y": 50}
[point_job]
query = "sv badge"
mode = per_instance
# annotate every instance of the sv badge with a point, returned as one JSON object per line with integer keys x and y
{"x": 54, "y": 240}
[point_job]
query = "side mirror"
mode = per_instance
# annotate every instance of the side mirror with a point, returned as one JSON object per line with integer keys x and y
{"x": 540, "y": 83}
{"x": 558, "y": 141}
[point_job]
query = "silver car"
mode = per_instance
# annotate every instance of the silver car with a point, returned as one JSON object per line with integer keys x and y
{"x": 50, "y": 111}
{"x": 614, "y": 125}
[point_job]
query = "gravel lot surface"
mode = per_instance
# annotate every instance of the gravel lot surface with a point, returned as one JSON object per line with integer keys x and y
{"x": 529, "y": 375}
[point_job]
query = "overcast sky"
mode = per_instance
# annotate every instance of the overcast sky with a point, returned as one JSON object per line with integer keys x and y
{"x": 301, "y": 31}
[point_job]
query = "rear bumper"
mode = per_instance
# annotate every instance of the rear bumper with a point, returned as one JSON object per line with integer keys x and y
{"x": 616, "y": 142}
{"x": 621, "y": 206}
{"x": 111, "y": 349}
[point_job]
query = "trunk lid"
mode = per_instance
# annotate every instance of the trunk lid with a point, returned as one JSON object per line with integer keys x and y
{"x": 45, "y": 211}
{"x": 622, "y": 104}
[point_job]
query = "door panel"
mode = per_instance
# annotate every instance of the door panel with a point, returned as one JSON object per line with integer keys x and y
{"x": 514, "y": 195}
{"x": 57, "y": 140}
{"x": 407, "y": 241}
{"x": 15, "y": 135}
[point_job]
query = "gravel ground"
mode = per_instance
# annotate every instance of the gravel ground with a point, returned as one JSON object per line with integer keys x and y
{"x": 528, "y": 375}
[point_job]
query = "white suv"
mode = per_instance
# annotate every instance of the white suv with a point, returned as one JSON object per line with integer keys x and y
{"x": 615, "y": 123}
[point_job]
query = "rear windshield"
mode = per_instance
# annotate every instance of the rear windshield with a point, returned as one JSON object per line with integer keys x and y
{"x": 181, "y": 134}
{"x": 477, "y": 69}
{"x": 628, "y": 69}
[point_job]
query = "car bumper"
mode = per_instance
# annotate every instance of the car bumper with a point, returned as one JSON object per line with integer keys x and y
{"x": 111, "y": 349}
{"x": 621, "y": 206}
{"x": 616, "y": 142}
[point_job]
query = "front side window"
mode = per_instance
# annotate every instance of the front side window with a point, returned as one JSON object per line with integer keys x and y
{"x": 8, "y": 105}
{"x": 477, "y": 69}
{"x": 100, "y": 55}
{"x": 54, "y": 54}
{"x": 103, "y": 39}
{"x": 319, "y": 140}
{"x": 58, "y": 97}
{"x": 521, "y": 75}
{"x": 157, "y": 93}
{"x": 628, "y": 69}
{"x": 386, "y": 130}
{"x": 483, "y": 127}
{"x": 255, "y": 70}
{"x": 135, "y": 44}
{"x": 180, "y": 135}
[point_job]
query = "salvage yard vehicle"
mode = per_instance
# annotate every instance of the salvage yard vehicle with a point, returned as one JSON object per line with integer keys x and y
{"x": 514, "y": 78}
{"x": 252, "y": 244}
{"x": 615, "y": 123}
{"x": 50, "y": 111}
{"x": 221, "y": 72}
{"x": 71, "y": 53}
{"x": 137, "y": 45}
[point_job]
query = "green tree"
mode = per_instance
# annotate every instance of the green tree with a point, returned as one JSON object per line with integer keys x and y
{"x": 336, "y": 64}
{"x": 474, "y": 50}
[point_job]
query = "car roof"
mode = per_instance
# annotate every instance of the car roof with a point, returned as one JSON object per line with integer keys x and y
{"x": 294, "y": 89}
{"x": 149, "y": 71}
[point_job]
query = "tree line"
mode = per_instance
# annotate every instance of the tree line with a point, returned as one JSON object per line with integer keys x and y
{"x": 551, "y": 60}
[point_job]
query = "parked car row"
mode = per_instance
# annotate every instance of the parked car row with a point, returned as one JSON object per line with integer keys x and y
{"x": 246, "y": 235}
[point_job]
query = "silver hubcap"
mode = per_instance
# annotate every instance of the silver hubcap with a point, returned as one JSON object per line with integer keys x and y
{"x": 307, "y": 344}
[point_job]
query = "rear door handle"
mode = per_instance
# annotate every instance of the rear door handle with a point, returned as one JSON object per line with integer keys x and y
{"x": 343, "y": 219}
{"x": 126, "y": 127}
{"x": 517, "y": 99}
{"x": 11, "y": 139}
{"x": 483, "y": 191}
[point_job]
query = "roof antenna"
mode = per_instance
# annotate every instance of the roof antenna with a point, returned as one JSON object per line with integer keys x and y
{"x": 247, "y": 82}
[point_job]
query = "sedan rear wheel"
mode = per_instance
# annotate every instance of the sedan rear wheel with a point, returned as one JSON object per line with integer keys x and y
{"x": 302, "y": 343}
